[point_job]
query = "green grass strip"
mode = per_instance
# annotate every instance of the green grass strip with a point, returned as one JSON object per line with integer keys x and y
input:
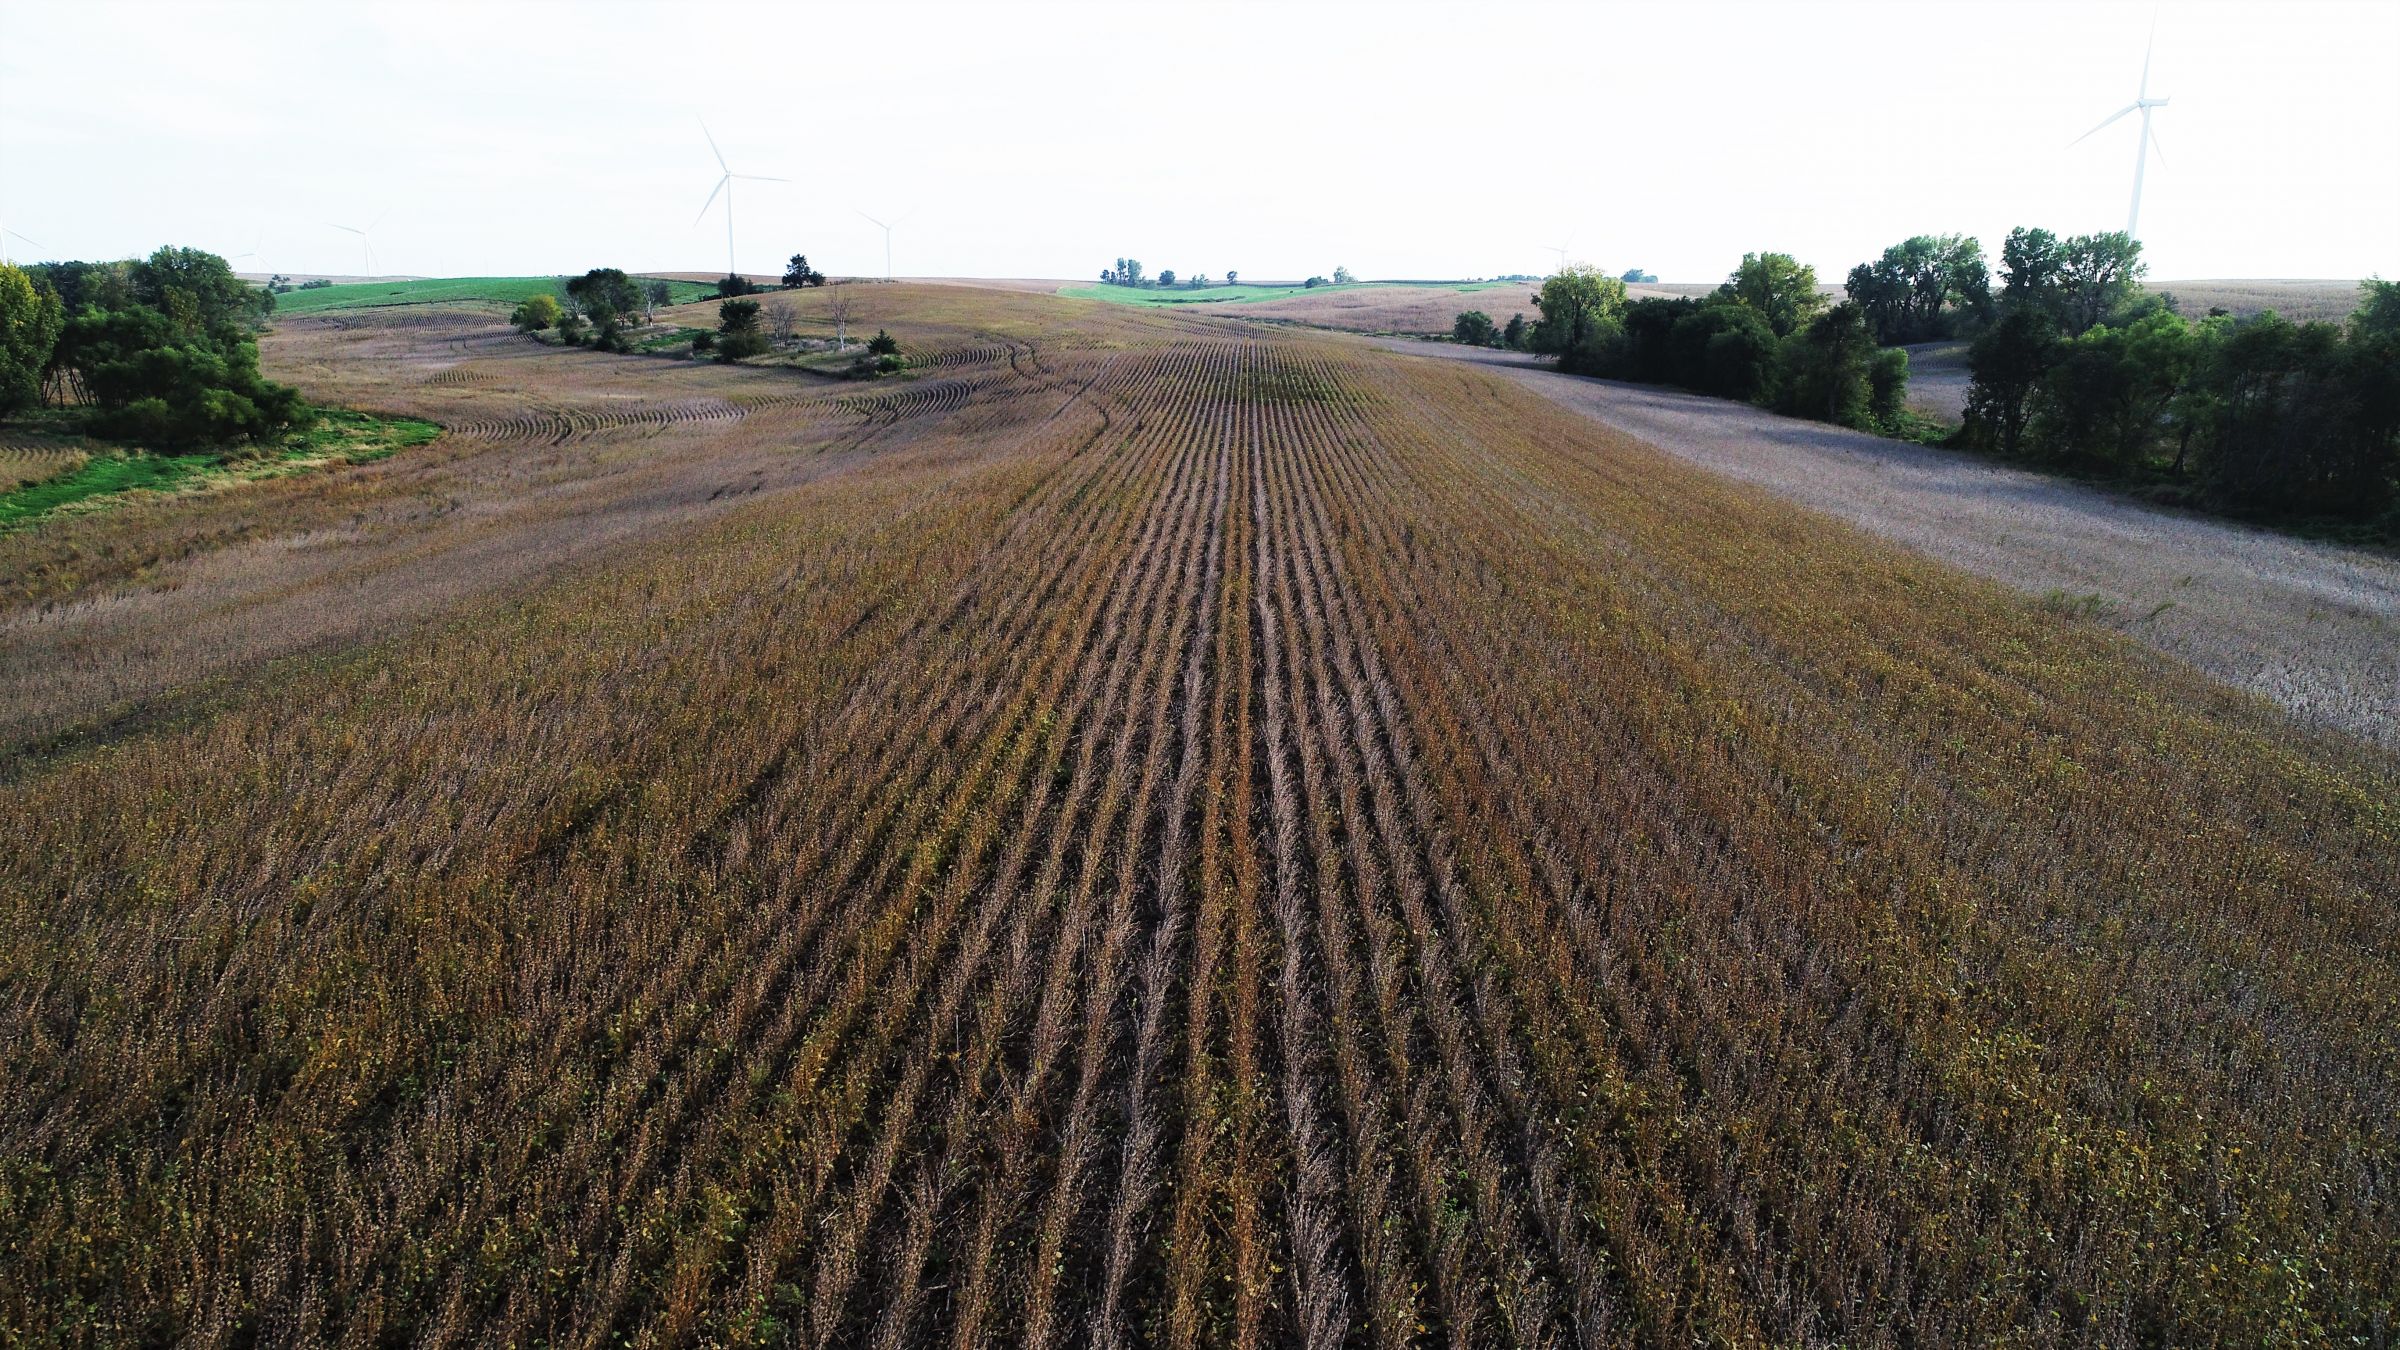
{"x": 339, "y": 435}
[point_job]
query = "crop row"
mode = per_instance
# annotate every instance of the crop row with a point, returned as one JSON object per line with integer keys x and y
{"x": 1207, "y": 840}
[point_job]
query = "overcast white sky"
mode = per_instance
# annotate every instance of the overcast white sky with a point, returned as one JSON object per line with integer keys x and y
{"x": 1045, "y": 140}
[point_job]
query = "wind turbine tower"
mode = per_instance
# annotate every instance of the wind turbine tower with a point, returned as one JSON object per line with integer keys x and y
{"x": 725, "y": 185}
{"x": 887, "y": 241}
{"x": 2142, "y": 146}
{"x": 366, "y": 240}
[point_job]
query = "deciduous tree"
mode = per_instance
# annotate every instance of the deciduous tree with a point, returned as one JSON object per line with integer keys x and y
{"x": 605, "y": 293}
{"x": 30, "y": 319}
{"x": 1781, "y": 288}
{"x": 1580, "y": 308}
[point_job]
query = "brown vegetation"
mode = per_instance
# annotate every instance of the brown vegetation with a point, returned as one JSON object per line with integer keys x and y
{"x": 1159, "y": 833}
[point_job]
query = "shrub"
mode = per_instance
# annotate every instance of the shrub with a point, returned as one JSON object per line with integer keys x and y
{"x": 537, "y": 313}
{"x": 738, "y": 333}
{"x": 731, "y": 285}
{"x": 1475, "y": 329}
{"x": 883, "y": 344}
{"x": 177, "y": 397}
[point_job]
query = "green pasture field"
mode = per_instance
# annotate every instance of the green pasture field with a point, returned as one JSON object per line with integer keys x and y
{"x": 443, "y": 291}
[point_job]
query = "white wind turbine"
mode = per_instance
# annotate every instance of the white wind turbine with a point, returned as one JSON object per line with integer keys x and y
{"x": 366, "y": 240}
{"x": 1561, "y": 251}
{"x": 887, "y": 240}
{"x": 253, "y": 253}
{"x": 725, "y": 185}
{"x": 2142, "y": 103}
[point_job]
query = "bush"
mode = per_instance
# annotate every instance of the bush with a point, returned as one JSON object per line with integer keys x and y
{"x": 739, "y": 346}
{"x": 703, "y": 341}
{"x": 536, "y": 314}
{"x": 883, "y": 344}
{"x": 179, "y": 397}
{"x": 1475, "y": 328}
{"x": 731, "y": 285}
{"x": 1513, "y": 336}
{"x": 738, "y": 333}
{"x": 570, "y": 330}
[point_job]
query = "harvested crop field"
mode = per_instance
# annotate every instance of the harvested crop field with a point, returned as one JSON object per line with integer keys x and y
{"x": 1395, "y": 309}
{"x": 1142, "y": 830}
{"x": 2298, "y": 301}
{"x": 1938, "y": 380}
{"x": 26, "y": 459}
{"x": 2314, "y": 627}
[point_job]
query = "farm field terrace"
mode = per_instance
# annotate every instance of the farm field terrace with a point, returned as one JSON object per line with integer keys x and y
{"x": 1142, "y": 828}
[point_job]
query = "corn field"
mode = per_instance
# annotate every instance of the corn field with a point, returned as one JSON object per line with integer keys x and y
{"x": 1150, "y": 831}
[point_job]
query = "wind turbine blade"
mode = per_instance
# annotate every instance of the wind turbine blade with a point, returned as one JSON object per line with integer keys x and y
{"x": 712, "y": 198}
{"x": 378, "y": 220}
{"x": 2154, "y": 145}
{"x": 2111, "y": 118}
{"x": 35, "y": 242}
{"x": 2147, "y": 48}
{"x": 351, "y": 228}
{"x": 878, "y": 224}
{"x": 760, "y": 178}
{"x": 712, "y": 146}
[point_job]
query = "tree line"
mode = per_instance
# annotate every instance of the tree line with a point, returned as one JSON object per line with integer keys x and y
{"x": 160, "y": 350}
{"x": 2080, "y": 369}
{"x": 1765, "y": 336}
{"x": 1130, "y": 272}
{"x": 601, "y": 308}
{"x": 2074, "y": 366}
